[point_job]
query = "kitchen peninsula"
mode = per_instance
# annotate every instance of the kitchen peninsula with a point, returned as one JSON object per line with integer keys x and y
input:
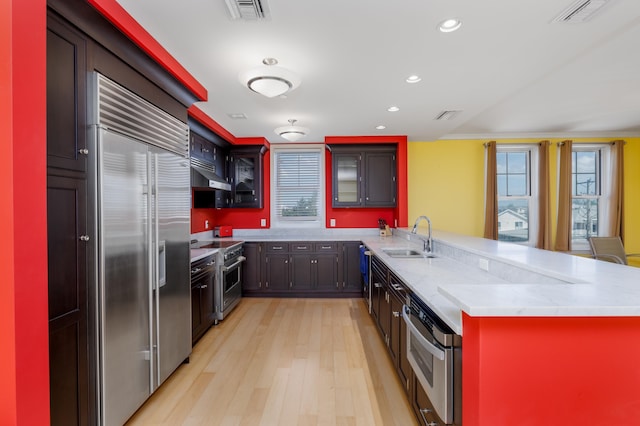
{"x": 540, "y": 329}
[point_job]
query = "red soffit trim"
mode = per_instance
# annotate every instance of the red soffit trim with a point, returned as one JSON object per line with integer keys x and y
{"x": 197, "y": 114}
{"x": 119, "y": 17}
{"x": 253, "y": 141}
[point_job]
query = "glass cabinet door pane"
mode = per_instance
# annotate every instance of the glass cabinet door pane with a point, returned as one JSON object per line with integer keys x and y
{"x": 347, "y": 178}
{"x": 244, "y": 179}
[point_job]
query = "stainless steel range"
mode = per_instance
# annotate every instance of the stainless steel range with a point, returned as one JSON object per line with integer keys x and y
{"x": 228, "y": 284}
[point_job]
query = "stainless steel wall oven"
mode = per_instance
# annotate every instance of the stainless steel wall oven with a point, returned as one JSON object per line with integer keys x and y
{"x": 435, "y": 354}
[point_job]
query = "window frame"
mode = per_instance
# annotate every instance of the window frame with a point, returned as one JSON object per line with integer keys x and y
{"x": 532, "y": 183}
{"x": 298, "y": 222}
{"x": 603, "y": 173}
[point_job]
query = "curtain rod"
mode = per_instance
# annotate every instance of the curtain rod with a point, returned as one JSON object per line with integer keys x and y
{"x": 610, "y": 143}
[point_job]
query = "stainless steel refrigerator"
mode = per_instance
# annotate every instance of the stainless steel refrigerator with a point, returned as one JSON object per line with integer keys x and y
{"x": 142, "y": 220}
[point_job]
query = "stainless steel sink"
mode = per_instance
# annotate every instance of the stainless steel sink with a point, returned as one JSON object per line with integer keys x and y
{"x": 407, "y": 253}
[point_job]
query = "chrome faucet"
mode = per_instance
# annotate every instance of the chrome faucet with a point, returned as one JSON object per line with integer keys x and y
{"x": 428, "y": 243}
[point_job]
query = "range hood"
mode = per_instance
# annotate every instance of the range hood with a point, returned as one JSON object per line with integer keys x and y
{"x": 204, "y": 176}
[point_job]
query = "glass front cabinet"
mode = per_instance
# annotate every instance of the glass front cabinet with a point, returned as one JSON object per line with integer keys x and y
{"x": 245, "y": 176}
{"x": 363, "y": 175}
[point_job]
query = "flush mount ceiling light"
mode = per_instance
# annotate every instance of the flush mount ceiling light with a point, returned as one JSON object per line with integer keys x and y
{"x": 393, "y": 109}
{"x": 291, "y": 132}
{"x": 381, "y": 127}
{"x": 449, "y": 25}
{"x": 413, "y": 79}
{"x": 270, "y": 80}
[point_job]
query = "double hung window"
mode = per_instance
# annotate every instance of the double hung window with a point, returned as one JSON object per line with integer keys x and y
{"x": 297, "y": 186}
{"x": 517, "y": 193}
{"x": 589, "y": 190}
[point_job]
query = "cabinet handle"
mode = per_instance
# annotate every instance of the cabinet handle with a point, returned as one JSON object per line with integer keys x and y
{"x": 397, "y": 287}
{"x": 213, "y": 262}
{"x": 204, "y": 286}
{"x": 196, "y": 270}
{"x": 325, "y": 247}
{"x": 301, "y": 247}
{"x": 424, "y": 411}
{"x": 377, "y": 285}
{"x": 84, "y": 151}
{"x": 286, "y": 261}
{"x": 276, "y": 248}
{"x": 205, "y": 150}
{"x": 396, "y": 314}
{"x": 84, "y": 238}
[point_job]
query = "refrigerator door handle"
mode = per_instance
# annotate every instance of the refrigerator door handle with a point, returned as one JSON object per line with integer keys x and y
{"x": 162, "y": 264}
{"x": 159, "y": 280}
{"x": 151, "y": 264}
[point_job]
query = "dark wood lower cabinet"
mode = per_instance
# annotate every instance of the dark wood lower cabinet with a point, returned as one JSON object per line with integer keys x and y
{"x": 202, "y": 303}
{"x": 68, "y": 301}
{"x": 388, "y": 296}
{"x": 422, "y": 406}
{"x": 302, "y": 269}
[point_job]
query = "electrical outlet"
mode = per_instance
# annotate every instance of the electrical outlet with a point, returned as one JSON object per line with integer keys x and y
{"x": 332, "y": 223}
{"x": 206, "y": 224}
{"x": 263, "y": 222}
{"x": 483, "y": 264}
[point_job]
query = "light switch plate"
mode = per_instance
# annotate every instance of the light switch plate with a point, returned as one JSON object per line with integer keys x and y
{"x": 263, "y": 222}
{"x": 332, "y": 223}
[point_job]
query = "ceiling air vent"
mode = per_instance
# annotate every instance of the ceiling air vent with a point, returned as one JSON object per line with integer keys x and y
{"x": 248, "y": 10}
{"x": 580, "y": 11}
{"x": 447, "y": 115}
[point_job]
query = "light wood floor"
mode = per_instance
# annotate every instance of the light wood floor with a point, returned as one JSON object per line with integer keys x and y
{"x": 285, "y": 362}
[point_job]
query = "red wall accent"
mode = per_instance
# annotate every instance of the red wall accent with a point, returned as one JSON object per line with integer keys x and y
{"x": 121, "y": 19}
{"x": 354, "y": 217}
{"x": 345, "y": 217}
{"x": 564, "y": 371}
{"x": 365, "y": 217}
{"x": 238, "y": 218}
{"x": 24, "y": 353}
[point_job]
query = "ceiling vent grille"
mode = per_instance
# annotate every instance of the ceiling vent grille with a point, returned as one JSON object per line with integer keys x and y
{"x": 248, "y": 10}
{"x": 447, "y": 115}
{"x": 580, "y": 11}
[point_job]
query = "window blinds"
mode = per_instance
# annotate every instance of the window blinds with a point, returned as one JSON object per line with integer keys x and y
{"x": 298, "y": 185}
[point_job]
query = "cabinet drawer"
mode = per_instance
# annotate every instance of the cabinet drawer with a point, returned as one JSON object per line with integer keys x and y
{"x": 326, "y": 247}
{"x": 277, "y": 247}
{"x": 301, "y": 247}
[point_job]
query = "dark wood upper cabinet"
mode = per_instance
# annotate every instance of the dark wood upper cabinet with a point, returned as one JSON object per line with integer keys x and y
{"x": 245, "y": 176}
{"x": 363, "y": 175}
{"x": 203, "y": 149}
{"x": 66, "y": 98}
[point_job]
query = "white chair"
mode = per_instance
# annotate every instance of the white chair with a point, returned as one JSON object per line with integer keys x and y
{"x": 609, "y": 249}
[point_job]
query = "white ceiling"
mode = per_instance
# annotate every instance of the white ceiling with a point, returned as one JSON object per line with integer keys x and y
{"x": 510, "y": 70}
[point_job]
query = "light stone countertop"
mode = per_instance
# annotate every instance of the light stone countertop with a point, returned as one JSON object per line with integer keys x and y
{"x": 490, "y": 278}
{"x": 520, "y": 281}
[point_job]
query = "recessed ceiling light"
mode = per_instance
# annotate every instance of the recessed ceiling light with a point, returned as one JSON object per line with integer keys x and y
{"x": 393, "y": 109}
{"x": 381, "y": 127}
{"x": 413, "y": 79}
{"x": 449, "y": 25}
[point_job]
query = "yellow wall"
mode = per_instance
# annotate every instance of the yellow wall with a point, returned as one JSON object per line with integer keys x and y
{"x": 446, "y": 183}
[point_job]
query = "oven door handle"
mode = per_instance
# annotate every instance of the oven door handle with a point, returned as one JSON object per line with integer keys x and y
{"x": 433, "y": 349}
{"x": 234, "y": 265}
